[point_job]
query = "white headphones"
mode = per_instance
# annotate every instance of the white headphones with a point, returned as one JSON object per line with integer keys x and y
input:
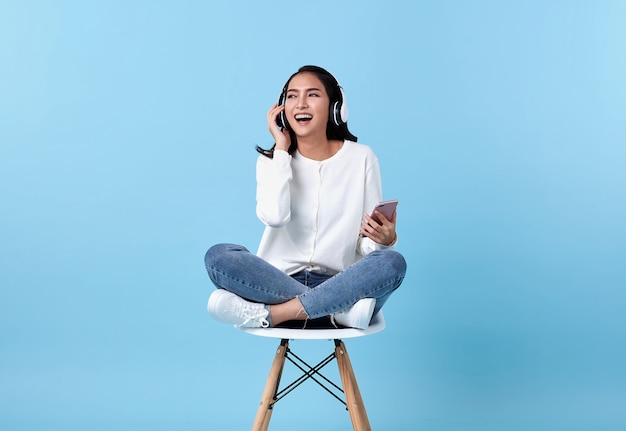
{"x": 339, "y": 110}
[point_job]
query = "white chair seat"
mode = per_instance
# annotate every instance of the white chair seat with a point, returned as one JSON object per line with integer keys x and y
{"x": 376, "y": 325}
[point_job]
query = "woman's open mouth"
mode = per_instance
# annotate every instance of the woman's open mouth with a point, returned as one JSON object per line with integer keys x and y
{"x": 303, "y": 118}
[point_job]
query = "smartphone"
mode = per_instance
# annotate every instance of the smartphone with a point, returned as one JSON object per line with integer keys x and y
{"x": 385, "y": 207}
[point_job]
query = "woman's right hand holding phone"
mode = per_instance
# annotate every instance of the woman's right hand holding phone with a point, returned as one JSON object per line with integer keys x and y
{"x": 281, "y": 136}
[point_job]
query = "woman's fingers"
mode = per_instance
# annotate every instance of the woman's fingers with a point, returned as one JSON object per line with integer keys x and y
{"x": 281, "y": 137}
{"x": 379, "y": 229}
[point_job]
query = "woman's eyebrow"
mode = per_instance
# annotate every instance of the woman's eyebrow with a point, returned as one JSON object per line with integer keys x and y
{"x": 307, "y": 89}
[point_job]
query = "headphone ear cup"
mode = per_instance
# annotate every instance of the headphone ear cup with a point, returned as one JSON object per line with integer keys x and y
{"x": 281, "y": 119}
{"x": 339, "y": 110}
{"x": 335, "y": 113}
{"x": 343, "y": 113}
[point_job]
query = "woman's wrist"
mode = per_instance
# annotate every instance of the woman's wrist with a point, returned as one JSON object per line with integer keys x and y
{"x": 395, "y": 238}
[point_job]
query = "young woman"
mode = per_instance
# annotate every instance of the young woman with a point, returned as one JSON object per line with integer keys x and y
{"x": 321, "y": 254}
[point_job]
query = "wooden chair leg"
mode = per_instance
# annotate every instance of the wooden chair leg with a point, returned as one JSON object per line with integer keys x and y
{"x": 264, "y": 413}
{"x": 358, "y": 415}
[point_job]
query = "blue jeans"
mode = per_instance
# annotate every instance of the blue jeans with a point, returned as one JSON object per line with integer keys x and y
{"x": 377, "y": 275}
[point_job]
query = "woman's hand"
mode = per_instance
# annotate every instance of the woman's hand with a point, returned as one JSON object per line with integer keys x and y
{"x": 382, "y": 231}
{"x": 281, "y": 137}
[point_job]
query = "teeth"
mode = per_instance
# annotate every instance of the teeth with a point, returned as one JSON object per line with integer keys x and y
{"x": 303, "y": 117}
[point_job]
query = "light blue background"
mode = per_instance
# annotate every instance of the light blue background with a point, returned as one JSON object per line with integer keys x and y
{"x": 127, "y": 134}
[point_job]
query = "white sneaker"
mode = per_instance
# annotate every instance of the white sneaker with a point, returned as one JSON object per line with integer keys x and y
{"x": 227, "y": 307}
{"x": 358, "y": 316}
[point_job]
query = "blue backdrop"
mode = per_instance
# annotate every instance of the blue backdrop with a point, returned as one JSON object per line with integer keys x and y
{"x": 127, "y": 134}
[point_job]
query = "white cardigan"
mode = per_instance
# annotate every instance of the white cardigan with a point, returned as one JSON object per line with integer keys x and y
{"x": 313, "y": 209}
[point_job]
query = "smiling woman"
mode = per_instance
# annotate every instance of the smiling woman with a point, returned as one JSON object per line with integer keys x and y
{"x": 321, "y": 256}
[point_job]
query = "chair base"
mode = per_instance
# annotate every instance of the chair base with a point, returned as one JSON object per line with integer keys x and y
{"x": 350, "y": 389}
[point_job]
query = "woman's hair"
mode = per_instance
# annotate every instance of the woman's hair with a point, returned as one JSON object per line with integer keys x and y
{"x": 333, "y": 131}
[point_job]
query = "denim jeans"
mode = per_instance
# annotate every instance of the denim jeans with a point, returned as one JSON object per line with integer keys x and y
{"x": 377, "y": 275}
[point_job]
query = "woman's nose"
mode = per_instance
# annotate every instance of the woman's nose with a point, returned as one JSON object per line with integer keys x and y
{"x": 301, "y": 102}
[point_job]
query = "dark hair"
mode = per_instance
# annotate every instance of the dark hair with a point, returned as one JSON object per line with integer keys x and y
{"x": 333, "y": 131}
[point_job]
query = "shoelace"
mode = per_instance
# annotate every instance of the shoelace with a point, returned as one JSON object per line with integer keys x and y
{"x": 333, "y": 321}
{"x": 256, "y": 315}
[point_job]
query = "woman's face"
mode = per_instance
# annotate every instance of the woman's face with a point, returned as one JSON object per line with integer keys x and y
{"x": 307, "y": 105}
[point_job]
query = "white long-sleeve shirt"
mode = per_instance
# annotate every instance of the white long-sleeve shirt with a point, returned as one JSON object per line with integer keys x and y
{"x": 313, "y": 209}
